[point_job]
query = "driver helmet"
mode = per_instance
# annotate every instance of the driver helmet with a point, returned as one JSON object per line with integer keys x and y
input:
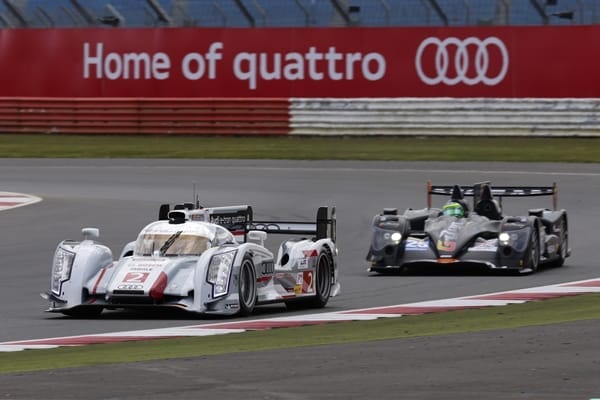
{"x": 453, "y": 209}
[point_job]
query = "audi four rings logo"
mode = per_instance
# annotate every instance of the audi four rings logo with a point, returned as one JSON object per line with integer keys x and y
{"x": 466, "y": 51}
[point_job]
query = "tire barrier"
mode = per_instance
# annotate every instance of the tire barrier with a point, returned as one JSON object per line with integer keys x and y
{"x": 446, "y": 117}
{"x": 567, "y": 117}
{"x": 179, "y": 116}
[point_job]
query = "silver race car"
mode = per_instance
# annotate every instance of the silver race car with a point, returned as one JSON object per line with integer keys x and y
{"x": 201, "y": 260}
{"x": 454, "y": 236}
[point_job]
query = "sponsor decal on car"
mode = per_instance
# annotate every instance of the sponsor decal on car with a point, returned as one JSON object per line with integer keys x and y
{"x": 416, "y": 244}
{"x": 514, "y": 225}
{"x": 308, "y": 285}
{"x": 447, "y": 240}
{"x": 130, "y": 287}
{"x": 146, "y": 265}
{"x": 308, "y": 260}
{"x": 446, "y": 243}
{"x": 304, "y": 283}
{"x": 485, "y": 245}
{"x": 388, "y": 224}
{"x": 224, "y": 220}
{"x": 268, "y": 267}
{"x": 136, "y": 277}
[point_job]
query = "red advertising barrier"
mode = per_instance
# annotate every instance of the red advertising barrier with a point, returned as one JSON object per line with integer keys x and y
{"x": 226, "y": 116}
{"x": 549, "y": 62}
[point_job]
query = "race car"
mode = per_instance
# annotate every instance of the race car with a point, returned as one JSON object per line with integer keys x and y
{"x": 201, "y": 260}
{"x": 453, "y": 235}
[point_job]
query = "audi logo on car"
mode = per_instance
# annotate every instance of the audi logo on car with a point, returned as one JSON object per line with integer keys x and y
{"x": 471, "y": 58}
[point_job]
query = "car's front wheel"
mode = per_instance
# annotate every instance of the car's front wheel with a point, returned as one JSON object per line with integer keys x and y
{"x": 247, "y": 287}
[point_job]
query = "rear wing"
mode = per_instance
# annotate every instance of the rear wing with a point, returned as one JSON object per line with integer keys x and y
{"x": 497, "y": 191}
{"x": 239, "y": 221}
{"x": 323, "y": 227}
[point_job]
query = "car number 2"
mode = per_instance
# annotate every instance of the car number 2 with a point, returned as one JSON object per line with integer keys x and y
{"x": 304, "y": 282}
{"x": 136, "y": 277}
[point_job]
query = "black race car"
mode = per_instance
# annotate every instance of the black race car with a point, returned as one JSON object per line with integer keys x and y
{"x": 455, "y": 235}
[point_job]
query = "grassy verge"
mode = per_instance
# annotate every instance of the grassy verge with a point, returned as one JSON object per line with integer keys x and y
{"x": 308, "y": 148}
{"x": 565, "y": 309}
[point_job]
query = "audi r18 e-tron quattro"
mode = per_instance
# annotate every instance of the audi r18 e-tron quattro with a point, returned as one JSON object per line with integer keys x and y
{"x": 201, "y": 260}
{"x": 453, "y": 235}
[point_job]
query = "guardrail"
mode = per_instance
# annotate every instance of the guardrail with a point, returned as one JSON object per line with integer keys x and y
{"x": 222, "y": 116}
{"x": 302, "y": 116}
{"x": 446, "y": 116}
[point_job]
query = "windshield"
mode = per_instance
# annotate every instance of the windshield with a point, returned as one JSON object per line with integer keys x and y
{"x": 177, "y": 244}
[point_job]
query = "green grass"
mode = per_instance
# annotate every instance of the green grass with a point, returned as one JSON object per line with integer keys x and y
{"x": 586, "y": 150}
{"x": 565, "y": 309}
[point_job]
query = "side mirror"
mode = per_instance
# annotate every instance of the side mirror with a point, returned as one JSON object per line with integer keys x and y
{"x": 90, "y": 233}
{"x": 258, "y": 236}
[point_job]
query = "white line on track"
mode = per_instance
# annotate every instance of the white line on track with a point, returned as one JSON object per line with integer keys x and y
{"x": 477, "y": 301}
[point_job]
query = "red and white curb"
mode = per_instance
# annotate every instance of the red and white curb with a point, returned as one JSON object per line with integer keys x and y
{"x": 10, "y": 200}
{"x": 435, "y": 306}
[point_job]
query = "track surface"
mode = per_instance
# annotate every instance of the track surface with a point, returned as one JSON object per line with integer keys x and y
{"x": 119, "y": 196}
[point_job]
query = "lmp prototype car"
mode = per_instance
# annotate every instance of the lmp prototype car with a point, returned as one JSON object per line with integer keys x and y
{"x": 202, "y": 260}
{"x": 454, "y": 236}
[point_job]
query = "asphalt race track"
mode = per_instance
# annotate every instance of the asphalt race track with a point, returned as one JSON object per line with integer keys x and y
{"x": 120, "y": 196}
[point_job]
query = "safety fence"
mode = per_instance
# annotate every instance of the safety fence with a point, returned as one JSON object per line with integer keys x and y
{"x": 303, "y": 116}
{"x": 223, "y": 116}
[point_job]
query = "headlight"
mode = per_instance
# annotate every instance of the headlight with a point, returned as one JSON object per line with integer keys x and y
{"x": 517, "y": 239}
{"x": 382, "y": 238}
{"x": 396, "y": 237}
{"x": 504, "y": 238}
{"x": 61, "y": 268}
{"x": 219, "y": 271}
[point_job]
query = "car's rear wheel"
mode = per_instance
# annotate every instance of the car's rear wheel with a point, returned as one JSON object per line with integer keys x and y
{"x": 533, "y": 252}
{"x": 563, "y": 234}
{"x": 247, "y": 287}
{"x": 323, "y": 280}
{"x": 322, "y": 284}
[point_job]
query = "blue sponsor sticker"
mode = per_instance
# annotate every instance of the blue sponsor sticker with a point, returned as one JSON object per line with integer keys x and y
{"x": 416, "y": 244}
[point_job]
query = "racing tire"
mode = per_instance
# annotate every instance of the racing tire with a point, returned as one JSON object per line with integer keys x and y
{"x": 563, "y": 251}
{"x": 247, "y": 287}
{"x": 322, "y": 284}
{"x": 533, "y": 250}
{"x": 84, "y": 312}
